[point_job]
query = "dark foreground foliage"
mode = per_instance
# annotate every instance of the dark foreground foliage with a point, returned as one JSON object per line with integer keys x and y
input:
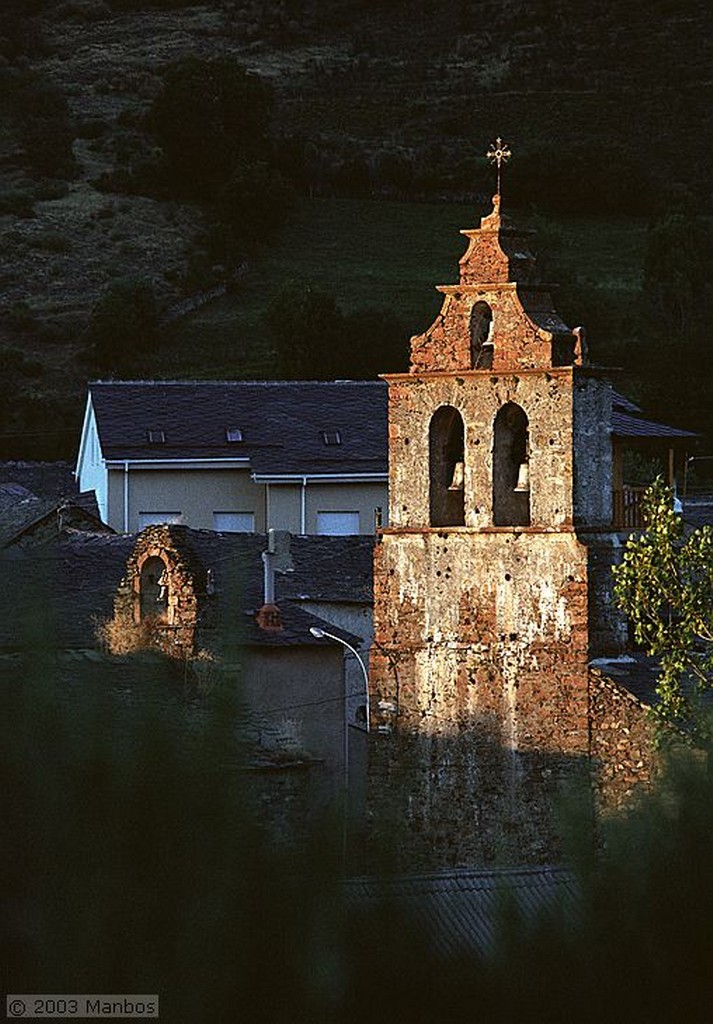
{"x": 130, "y": 863}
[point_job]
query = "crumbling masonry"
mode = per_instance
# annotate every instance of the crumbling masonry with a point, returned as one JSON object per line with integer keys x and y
{"x": 492, "y": 579}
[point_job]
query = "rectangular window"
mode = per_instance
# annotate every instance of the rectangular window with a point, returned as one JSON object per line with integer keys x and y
{"x": 158, "y": 518}
{"x": 234, "y": 522}
{"x": 337, "y": 524}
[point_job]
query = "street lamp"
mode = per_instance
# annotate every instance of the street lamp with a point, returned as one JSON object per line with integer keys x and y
{"x": 320, "y": 634}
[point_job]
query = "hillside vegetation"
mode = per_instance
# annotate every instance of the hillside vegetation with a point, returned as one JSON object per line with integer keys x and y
{"x": 342, "y": 153}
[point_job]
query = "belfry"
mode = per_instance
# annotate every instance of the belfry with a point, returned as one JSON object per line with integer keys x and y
{"x": 491, "y": 580}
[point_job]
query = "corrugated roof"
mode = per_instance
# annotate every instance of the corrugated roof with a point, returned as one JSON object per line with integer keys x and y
{"x": 457, "y": 912}
{"x": 282, "y": 423}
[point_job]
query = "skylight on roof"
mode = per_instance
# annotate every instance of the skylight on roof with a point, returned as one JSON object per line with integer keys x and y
{"x": 233, "y": 434}
{"x": 156, "y": 436}
{"x": 331, "y": 437}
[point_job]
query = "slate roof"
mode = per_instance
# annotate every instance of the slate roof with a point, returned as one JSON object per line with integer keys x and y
{"x": 20, "y": 510}
{"x": 633, "y": 427}
{"x": 50, "y": 480}
{"x": 457, "y": 912}
{"x": 282, "y": 423}
{"x": 56, "y": 594}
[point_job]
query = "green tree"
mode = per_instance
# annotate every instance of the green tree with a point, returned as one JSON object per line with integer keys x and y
{"x": 253, "y": 203}
{"x": 122, "y": 323}
{"x": 307, "y": 331}
{"x": 665, "y": 585}
{"x": 209, "y": 115}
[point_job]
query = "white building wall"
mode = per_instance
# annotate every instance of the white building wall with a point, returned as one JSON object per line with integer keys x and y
{"x": 91, "y": 469}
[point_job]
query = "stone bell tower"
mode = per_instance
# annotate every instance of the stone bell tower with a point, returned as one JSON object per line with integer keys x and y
{"x": 500, "y": 462}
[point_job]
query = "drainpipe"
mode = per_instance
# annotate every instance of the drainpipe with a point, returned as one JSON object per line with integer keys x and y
{"x": 303, "y": 507}
{"x": 126, "y": 495}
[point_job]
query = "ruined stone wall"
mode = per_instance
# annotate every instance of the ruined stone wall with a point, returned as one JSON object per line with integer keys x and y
{"x": 546, "y": 398}
{"x": 175, "y": 631}
{"x": 480, "y": 672}
{"x": 624, "y": 755}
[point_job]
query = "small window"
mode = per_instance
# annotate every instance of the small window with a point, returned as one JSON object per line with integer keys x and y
{"x": 233, "y": 434}
{"x": 156, "y": 436}
{"x": 234, "y": 522}
{"x": 158, "y": 518}
{"x": 337, "y": 524}
{"x": 331, "y": 437}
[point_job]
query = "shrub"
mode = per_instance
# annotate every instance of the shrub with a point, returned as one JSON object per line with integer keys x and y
{"x": 122, "y": 322}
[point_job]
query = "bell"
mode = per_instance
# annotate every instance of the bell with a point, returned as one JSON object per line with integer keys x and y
{"x": 456, "y": 483}
{"x": 523, "y": 478}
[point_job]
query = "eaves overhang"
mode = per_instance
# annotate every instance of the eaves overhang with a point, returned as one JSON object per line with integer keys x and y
{"x": 291, "y": 478}
{"x": 119, "y": 463}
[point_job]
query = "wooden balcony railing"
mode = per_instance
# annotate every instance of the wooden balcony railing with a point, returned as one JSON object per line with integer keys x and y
{"x": 627, "y": 508}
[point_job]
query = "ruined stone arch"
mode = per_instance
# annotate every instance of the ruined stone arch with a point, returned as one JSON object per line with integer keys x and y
{"x": 511, "y": 457}
{"x": 481, "y": 336}
{"x": 446, "y": 445}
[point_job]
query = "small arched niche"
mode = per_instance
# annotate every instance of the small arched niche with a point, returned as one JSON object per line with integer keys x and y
{"x": 481, "y": 340}
{"x": 153, "y": 589}
{"x": 511, "y": 471}
{"x": 446, "y": 467}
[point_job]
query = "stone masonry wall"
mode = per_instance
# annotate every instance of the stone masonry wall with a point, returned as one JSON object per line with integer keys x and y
{"x": 445, "y": 346}
{"x": 175, "y": 631}
{"x": 623, "y": 749}
{"x": 546, "y": 399}
{"x": 480, "y": 672}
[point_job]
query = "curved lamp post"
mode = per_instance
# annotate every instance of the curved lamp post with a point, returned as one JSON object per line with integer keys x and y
{"x": 320, "y": 634}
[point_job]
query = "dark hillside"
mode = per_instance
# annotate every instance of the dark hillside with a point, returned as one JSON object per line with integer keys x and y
{"x": 605, "y": 105}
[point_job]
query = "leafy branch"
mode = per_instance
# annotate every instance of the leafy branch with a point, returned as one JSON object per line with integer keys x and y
{"x": 664, "y": 584}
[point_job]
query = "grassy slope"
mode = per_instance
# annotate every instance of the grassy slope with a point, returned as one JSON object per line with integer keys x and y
{"x": 376, "y": 76}
{"x": 379, "y": 254}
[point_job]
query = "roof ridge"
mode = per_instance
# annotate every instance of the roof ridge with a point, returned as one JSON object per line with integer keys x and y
{"x": 239, "y": 383}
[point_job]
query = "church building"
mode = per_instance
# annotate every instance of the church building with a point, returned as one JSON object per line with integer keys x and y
{"x": 492, "y": 583}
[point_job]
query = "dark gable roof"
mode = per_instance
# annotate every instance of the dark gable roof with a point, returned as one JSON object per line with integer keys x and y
{"x": 458, "y": 912}
{"x": 628, "y": 422}
{"x": 632, "y": 427}
{"x": 20, "y": 511}
{"x": 57, "y": 594}
{"x": 282, "y": 422}
{"x": 49, "y": 480}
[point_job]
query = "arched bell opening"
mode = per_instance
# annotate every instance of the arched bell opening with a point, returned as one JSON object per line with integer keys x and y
{"x": 511, "y": 470}
{"x": 446, "y": 467}
{"x": 481, "y": 336}
{"x": 153, "y": 589}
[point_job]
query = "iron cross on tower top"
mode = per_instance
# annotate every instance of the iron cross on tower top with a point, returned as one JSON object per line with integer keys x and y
{"x": 499, "y": 153}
